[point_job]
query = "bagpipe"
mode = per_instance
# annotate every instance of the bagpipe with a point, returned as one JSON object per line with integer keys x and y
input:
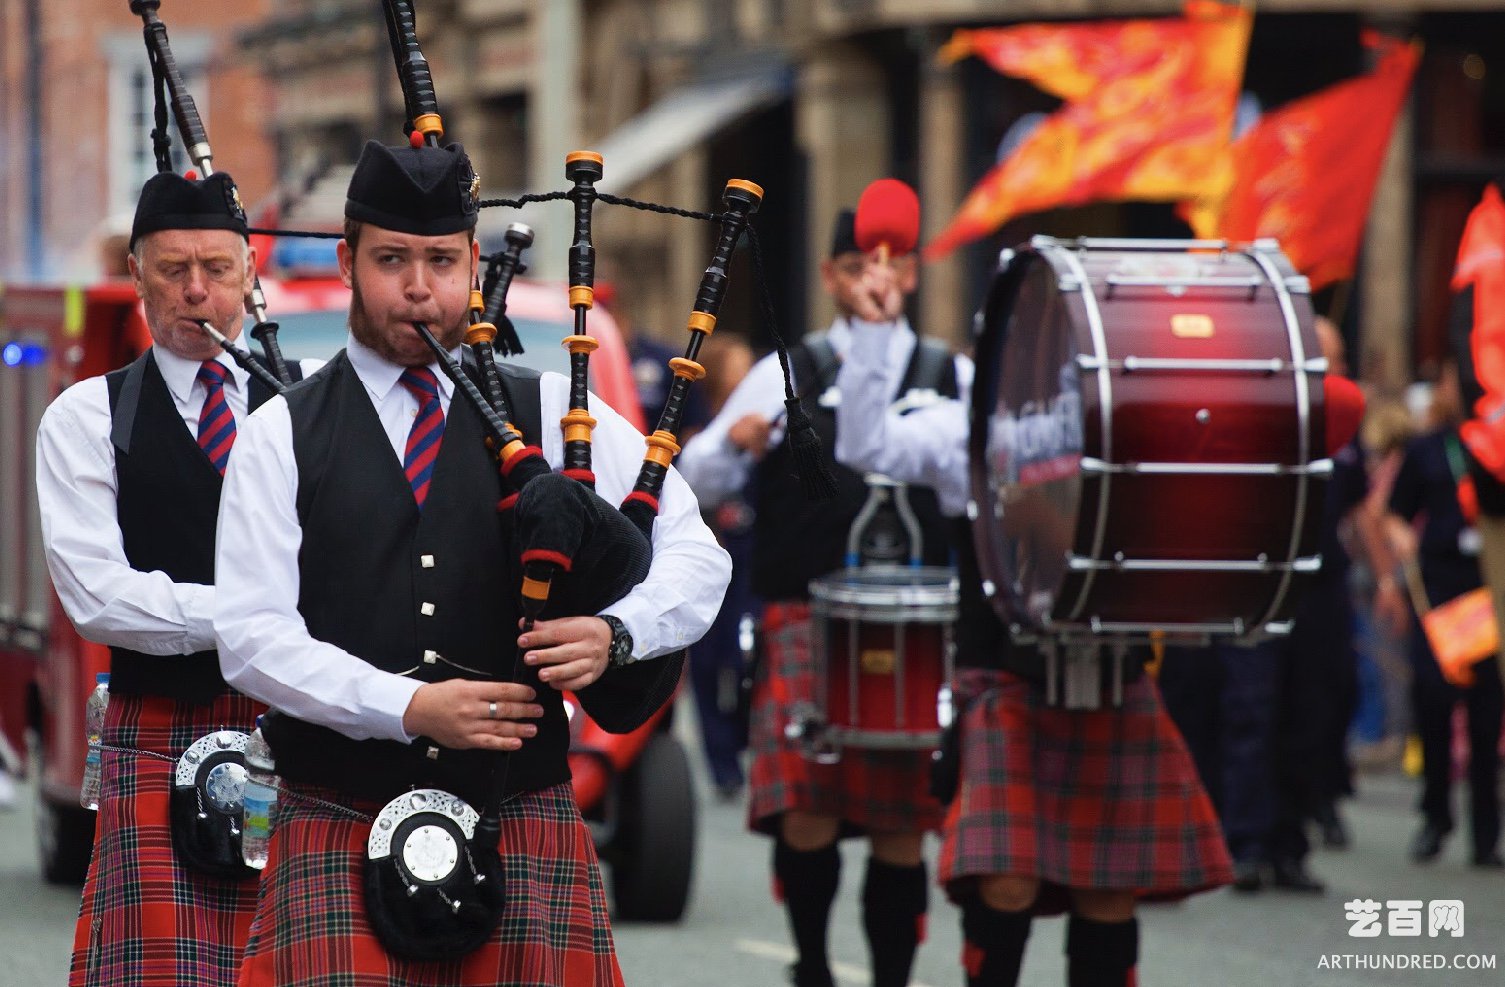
{"x": 578, "y": 553}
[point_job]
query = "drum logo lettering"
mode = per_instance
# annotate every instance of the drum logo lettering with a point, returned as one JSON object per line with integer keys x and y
{"x": 1192, "y": 325}
{"x": 877, "y": 661}
{"x": 1043, "y": 442}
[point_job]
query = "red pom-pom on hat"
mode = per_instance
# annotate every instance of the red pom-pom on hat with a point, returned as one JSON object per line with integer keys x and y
{"x": 888, "y": 213}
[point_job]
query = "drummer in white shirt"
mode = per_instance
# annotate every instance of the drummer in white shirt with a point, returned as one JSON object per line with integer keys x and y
{"x": 882, "y": 794}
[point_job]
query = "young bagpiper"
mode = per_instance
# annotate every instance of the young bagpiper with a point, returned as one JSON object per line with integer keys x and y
{"x": 368, "y": 594}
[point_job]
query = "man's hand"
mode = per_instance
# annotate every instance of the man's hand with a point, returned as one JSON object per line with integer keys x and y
{"x": 574, "y": 649}
{"x": 750, "y": 434}
{"x": 879, "y": 296}
{"x": 457, "y": 713}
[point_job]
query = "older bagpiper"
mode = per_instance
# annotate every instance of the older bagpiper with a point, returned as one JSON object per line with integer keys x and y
{"x": 129, "y": 469}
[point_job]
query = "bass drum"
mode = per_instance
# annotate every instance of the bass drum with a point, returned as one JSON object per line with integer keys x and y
{"x": 1147, "y": 447}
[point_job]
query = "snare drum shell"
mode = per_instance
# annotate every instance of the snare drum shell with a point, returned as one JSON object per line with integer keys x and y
{"x": 883, "y": 650}
{"x": 1163, "y": 342}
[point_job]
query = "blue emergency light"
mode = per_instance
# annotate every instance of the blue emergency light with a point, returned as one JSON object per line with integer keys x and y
{"x": 22, "y": 354}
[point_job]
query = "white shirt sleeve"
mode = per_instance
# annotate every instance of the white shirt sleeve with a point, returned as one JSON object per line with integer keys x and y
{"x": 265, "y": 649}
{"x": 927, "y": 446}
{"x": 709, "y": 462}
{"x": 108, "y": 601}
{"x": 674, "y": 606}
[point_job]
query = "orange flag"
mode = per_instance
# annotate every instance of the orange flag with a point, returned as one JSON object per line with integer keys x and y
{"x": 1305, "y": 173}
{"x": 1481, "y": 265}
{"x": 1148, "y": 114}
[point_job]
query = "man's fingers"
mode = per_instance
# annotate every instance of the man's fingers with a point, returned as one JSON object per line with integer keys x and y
{"x": 503, "y": 711}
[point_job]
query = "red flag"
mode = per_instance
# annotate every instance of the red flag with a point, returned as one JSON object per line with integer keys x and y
{"x": 1305, "y": 174}
{"x": 1149, "y": 112}
{"x": 1481, "y": 265}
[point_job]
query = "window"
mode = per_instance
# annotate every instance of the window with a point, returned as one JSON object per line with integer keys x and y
{"x": 132, "y": 113}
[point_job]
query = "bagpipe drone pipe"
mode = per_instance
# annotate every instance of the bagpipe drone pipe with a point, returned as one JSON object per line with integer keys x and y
{"x": 169, "y": 88}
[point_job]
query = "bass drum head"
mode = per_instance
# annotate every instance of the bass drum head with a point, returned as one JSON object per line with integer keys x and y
{"x": 1026, "y": 440}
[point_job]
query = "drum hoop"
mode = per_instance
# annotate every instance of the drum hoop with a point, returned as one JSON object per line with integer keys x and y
{"x": 1105, "y": 413}
{"x": 927, "y": 587}
{"x": 870, "y": 612}
{"x": 1304, "y": 416}
{"x": 981, "y": 507}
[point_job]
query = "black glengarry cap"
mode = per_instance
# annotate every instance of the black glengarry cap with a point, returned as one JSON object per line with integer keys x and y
{"x": 171, "y": 202}
{"x": 844, "y": 234}
{"x": 425, "y": 191}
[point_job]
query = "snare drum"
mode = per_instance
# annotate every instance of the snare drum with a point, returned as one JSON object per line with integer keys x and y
{"x": 1147, "y": 448}
{"x": 883, "y": 653}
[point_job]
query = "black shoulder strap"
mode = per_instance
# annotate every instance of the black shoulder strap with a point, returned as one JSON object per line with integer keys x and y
{"x": 523, "y": 390}
{"x": 814, "y": 363}
{"x": 124, "y": 398}
{"x": 931, "y": 367}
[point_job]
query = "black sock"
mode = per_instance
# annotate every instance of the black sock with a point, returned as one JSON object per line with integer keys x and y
{"x": 1100, "y": 954}
{"x": 992, "y": 943}
{"x": 894, "y": 900}
{"x": 808, "y": 880}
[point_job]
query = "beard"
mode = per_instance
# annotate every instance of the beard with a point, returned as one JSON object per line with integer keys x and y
{"x": 396, "y": 341}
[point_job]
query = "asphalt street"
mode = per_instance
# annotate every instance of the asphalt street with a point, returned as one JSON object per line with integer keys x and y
{"x": 734, "y": 935}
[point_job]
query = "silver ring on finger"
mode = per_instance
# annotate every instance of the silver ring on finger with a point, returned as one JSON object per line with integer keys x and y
{"x": 491, "y": 710}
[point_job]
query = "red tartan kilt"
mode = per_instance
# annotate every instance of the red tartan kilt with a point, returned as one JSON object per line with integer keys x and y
{"x": 1104, "y": 799}
{"x": 146, "y": 920}
{"x": 868, "y": 790}
{"x": 311, "y": 928}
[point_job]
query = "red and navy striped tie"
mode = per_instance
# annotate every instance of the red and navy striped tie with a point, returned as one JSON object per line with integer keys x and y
{"x": 427, "y": 431}
{"x": 216, "y": 421}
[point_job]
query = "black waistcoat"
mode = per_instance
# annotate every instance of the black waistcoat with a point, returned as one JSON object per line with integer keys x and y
{"x": 166, "y": 503}
{"x": 370, "y": 565}
{"x": 796, "y": 539}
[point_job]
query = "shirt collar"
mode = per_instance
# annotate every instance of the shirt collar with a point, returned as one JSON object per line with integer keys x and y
{"x": 180, "y": 375}
{"x": 379, "y": 375}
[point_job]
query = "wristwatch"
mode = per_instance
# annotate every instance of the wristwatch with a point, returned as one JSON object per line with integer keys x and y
{"x": 619, "y": 652}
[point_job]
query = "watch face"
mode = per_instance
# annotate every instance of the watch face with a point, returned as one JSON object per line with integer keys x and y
{"x": 620, "y": 650}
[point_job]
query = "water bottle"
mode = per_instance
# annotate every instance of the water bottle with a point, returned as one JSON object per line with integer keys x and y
{"x": 94, "y": 728}
{"x": 259, "y": 800}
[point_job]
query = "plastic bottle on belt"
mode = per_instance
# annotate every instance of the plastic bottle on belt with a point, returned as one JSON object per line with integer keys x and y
{"x": 259, "y": 800}
{"x": 94, "y": 728}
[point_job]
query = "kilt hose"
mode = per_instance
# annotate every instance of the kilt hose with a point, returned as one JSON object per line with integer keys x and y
{"x": 1102, "y": 799}
{"x": 311, "y": 929}
{"x": 147, "y": 920}
{"x": 868, "y": 790}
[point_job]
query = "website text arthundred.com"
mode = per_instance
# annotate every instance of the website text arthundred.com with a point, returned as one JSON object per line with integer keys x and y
{"x": 1408, "y": 961}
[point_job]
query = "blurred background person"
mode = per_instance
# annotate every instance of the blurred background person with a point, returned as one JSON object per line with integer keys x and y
{"x": 1445, "y": 552}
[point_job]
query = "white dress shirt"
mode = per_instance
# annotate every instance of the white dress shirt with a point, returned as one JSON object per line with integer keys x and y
{"x": 265, "y": 647}
{"x": 107, "y": 600}
{"x": 926, "y": 446}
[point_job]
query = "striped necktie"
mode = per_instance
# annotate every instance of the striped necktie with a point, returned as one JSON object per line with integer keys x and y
{"x": 216, "y": 421}
{"x": 427, "y": 431}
